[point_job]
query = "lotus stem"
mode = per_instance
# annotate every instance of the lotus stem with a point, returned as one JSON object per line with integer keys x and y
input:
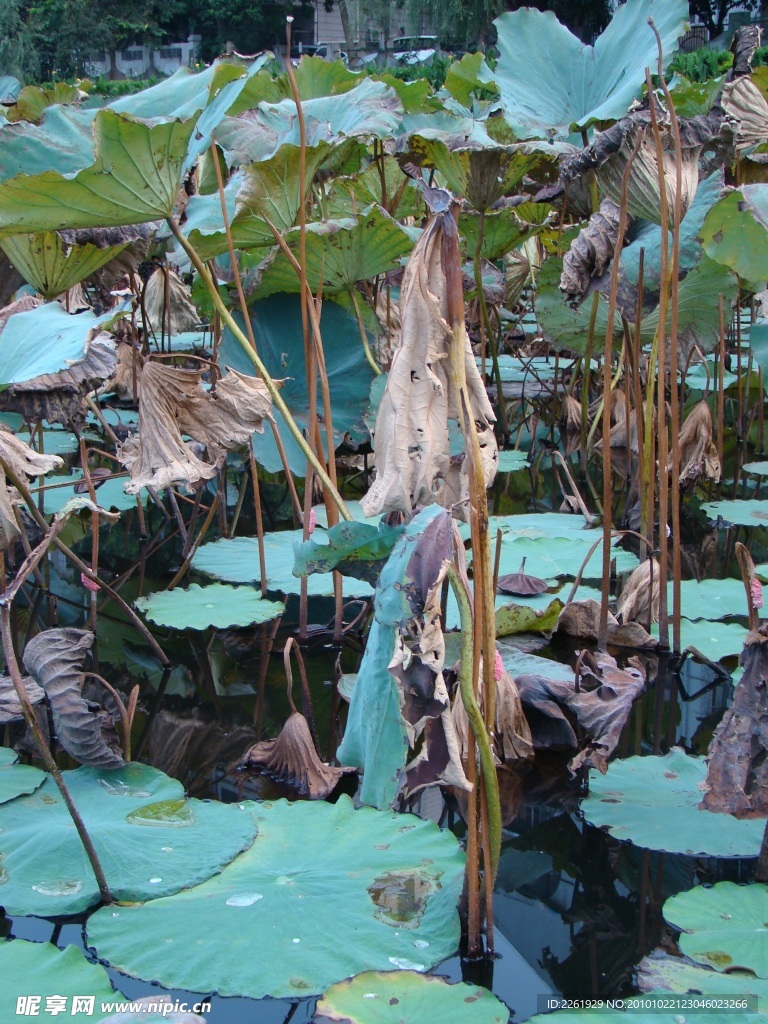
{"x": 45, "y": 751}
{"x": 486, "y": 331}
{"x": 23, "y": 490}
{"x": 363, "y": 334}
{"x": 490, "y": 781}
{"x": 125, "y": 720}
{"x": 260, "y": 368}
{"x": 191, "y": 553}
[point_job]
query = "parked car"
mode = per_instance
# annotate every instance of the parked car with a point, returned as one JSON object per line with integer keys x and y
{"x": 414, "y": 49}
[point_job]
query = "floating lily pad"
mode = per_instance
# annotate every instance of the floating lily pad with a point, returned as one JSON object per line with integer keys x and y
{"x": 16, "y": 779}
{"x": 547, "y": 557}
{"x": 519, "y": 663}
{"x": 151, "y": 841}
{"x": 326, "y": 891}
{"x": 237, "y": 561}
{"x": 711, "y": 599}
{"x": 110, "y": 494}
{"x": 39, "y": 968}
{"x": 513, "y": 618}
{"x": 218, "y": 605}
{"x": 512, "y": 461}
{"x": 723, "y": 926}
{"x": 739, "y": 512}
{"x": 755, "y": 468}
{"x": 714, "y": 640}
{"x": 398, "y": 996}
{"x": 653, "y": 803}
{"x": 678, "y": 974}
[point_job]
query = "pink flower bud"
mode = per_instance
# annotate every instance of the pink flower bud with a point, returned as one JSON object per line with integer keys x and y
{"x": 757, "y": 594}
{"x": 89, "y": 584}
{"x": 498, "y": 667}
{"x": 312, "y": 522}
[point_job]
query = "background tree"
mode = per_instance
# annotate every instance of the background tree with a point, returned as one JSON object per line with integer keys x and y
{"x": 713, "y": 13}
{"x": 18, "y": 56}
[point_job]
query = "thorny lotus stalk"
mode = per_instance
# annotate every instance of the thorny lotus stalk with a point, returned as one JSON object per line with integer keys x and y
{"x": 487, "y": 334}
{"x": 674, "y": 275}
{"x": 466, "y": 689}
{"x": 602, "y": 637}
{"x": 260, "y": 368}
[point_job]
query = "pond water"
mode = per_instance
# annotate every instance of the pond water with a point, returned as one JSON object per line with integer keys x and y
{"x": 574, "y": 909}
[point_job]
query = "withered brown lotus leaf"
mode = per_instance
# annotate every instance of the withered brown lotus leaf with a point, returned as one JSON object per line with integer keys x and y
{"x": 54, "y": 659}
{"x": 582, "y": 619}
{"x": 590, "y": 252}
{"x": 512, "y": 739}
{"x": 599, "y": 706}
{"x": 698, "y": 454}
{"x": 411, "y": 447}
{"x": 24, "y": 462}
{"x": 641, "y": 594}
{"x": 521, "y": 584}
{"x": 10, "y": 708}
{"x": 737, "y": 761}
{"x": 570, "y": 414}
{"x": 643, "y": 199}
{"x": 172, "y": 403}
{"x": 168, "y": 305}
{"x": 292, "y": 759}
{"x": 747, "y": 110}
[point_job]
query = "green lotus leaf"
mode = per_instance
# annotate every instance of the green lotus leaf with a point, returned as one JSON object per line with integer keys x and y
{"x": 723, "y": 926}
{"x": 44, "y": 340}
{"x": 63, "y": 143}
{"x": 551, "y": 83}
{"x": 174, "y": 843}
{"x": 181, "y": 95}
{"x": 647, "y": 236}
{"x": 512, "y": 618}
{"x": 315, "y": 77}
{"x": 347, "y": 196}
{"x": 39, "y": 968}
{"x": 397, "y": 996}
{"x": 390, "y": 881}
{"x": 502, "y": 232}
{"x": 339, "y": 254}
{"x": 55, "y": 441}
{"x": 557, "y": 556}
{"x": 51, "y": 270}
{"x": 735, "y": 232}
{"x": 755, "y": 468}
{"x": 519, "y": 663}
{"x": 714, "y": 640}
{"x": 237, "y": 561}
{"x": 355, "y": 549}
{"x": 738, "y": 511}
{"x": 218, "y": 605}
{"x": 469, "y": 76}
{"x": 512, "y": 461}
{"x": 481, "y": 175}
{"x": 279, "y": 338}
{"x": 562, "y": 326}
{"x": 33, "y": 100}
{"x": 711, "y": 599}
{"x": 660, "y": 971}
{"x": 110, "y": 494}
{"x": 134, "y": 178}
{"x": 652, "y": 802}
{"x": 9, "y": 89}
{"x": 370, "y": 110}
{"x": 16, "y": 779}
{"x": 535, "y": 605}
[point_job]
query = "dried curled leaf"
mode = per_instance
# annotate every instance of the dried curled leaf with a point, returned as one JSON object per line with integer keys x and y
{"x": 10, "y": 708}
{"x": 644, "y": 195}
{"x": 590, "y": 252}
{"x": 743, "y": 45}
{"x": 697, "y": 452}
{"x": 173, "y": 402}
{"x": 24, "y": 462}
{"x": 511, "y": 735}
{"x": 737, "y": 761}
{"x": 54, "y": 658}
{"x": 582, "y": 619}
{"x": 747, "y": 111}
{"x": 641, "y": 595}
{"x": 570, "y": 414}
{"x": 600, "y": 706}
{"x": 292, "y": 759}
{"x": 411, "y": 447}
{"x": 168, "y": 304}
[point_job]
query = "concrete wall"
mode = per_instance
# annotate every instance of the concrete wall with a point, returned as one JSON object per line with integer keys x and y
{"x": 139, "y": 61}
